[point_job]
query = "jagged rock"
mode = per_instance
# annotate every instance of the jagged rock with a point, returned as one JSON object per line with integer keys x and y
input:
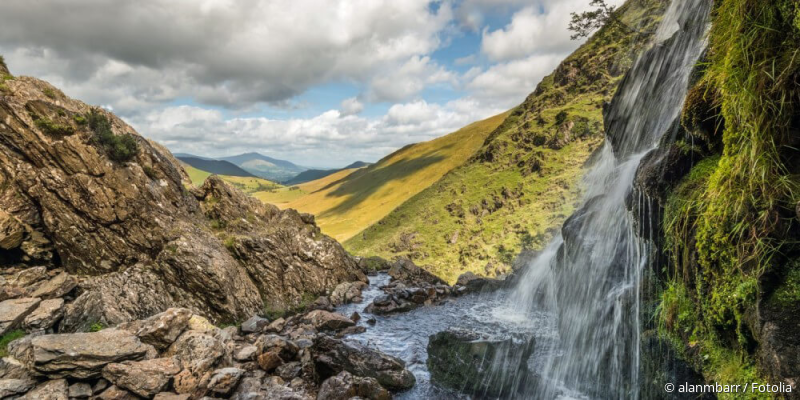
{"x": 276, "y": 326}
{"x": 332, "y": 356}
{"x": 475, "y": 283}
{"x": 79, "y": 355}
{"x": 80, "y": 390}
{"x": 468, "y": 362}
{"x": 8, "y": 292}
{"x": 345, "y": 386}
{"x": 286, "y": 349}
{"x": 328, "y": 321}
{"x": 404, "y": 270}
{"x": 246, "y": 353}
{"x": 160, "y": 330}
{"x": 45, "y": 316}
{"x": 115, "y": 393}
{"x": 14, "y": 311}
{"x": 60, "y": 285}
{"x": 12, "y": 232}
{"x": 100, "y": 386}
{"x": 254, "y": 324}
{"x": 171, "y": 396}
{"x": 224, "y": 381}
{"x": 269, "y": 360}
{"x": 347, "y": 292}
{"x": 15, "y": 387}
{"x": 198, "y": 353}
{"x": 11, "y": 368}
{"x": 289, "y": 371}
{"x": 28, "y": 276}
{"x": 49, "y": 390}
{"x": 145, "y": 378}
{"x": 131, "y": 230}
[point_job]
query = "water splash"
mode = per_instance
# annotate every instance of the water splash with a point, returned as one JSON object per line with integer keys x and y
{"x": 590, "y": 277}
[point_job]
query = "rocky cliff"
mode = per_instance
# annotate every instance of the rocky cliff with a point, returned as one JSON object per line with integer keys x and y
{"x": 96, "y": 215}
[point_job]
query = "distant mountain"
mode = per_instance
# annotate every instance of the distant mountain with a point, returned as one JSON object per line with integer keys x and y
{"x": 219, "y": 167}
{"x": 266, "y": 167}
{"x": 314, "y": 174}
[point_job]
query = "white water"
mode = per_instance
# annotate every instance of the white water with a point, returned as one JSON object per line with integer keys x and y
{"x": 580, "y": 298}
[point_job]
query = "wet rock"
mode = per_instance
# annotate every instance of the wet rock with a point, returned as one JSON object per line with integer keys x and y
{"x": 468, "y": 362}
{"x": 332, "y": 356}
{"x": 254, "y": 324}
{"x": 344, "y": 386}
{"x": 80, "y": 355}
{"x": 404, "y": 270}
{"x": 44, "y": 316}
{"x": 60, "y": 285}
{"x": 224, "y": 381}
{"x": 347, "y": 292}
{"x": 160, "y": 330}
{"x": 475, "y": 283}
{"x": 80, "y": 390}
{"x": 328, "y": 321}
{"x": 49, "y": 390}
{"x": 14, "y": 311}
{"x": 145, "y": 378}
{"x": 15, "y": 387}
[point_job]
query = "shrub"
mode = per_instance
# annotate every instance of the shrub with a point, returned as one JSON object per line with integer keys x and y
{"x": 53, "y": 128}
{"x": 49, "y": 93}
{"x": 96, "y": 327}
{"x": 561, "y": 117}
{"x": 119, "y": 148}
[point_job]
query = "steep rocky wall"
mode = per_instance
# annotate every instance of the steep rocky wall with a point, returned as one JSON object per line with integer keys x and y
{"x": 132, "y": 234}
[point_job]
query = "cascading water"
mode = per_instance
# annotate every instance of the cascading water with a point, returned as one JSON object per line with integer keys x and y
{"x": 590, "y": 277}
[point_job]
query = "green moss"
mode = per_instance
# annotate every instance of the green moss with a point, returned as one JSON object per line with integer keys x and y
{"x": 80, "y": 119}
{"x": 8, "y": 338}
{"x": 97, "y": 327}
{"x": 788, "y": 293}
{"x": 49, "y": 93}
{"x": 119, "y": 148}
{"x": 53, "y": 128}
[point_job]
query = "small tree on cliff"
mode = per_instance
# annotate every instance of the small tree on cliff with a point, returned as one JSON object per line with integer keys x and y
{"x": 585, "y": 23}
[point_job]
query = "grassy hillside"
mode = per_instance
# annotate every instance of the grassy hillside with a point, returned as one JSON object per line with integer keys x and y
{"x": 349, "y": 201}
{"x": 525, "y": 179}
{"x": 246, "y": 184}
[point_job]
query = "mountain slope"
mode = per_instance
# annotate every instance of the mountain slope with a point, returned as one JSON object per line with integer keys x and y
{"x": 248, "y": 185}
{"x": 266, "y": 167}
{"x": 215, "y": 166}
{"x": 348, "y": 201}
{"x": 525, "y": 179}
{"x": 314, "y": 174}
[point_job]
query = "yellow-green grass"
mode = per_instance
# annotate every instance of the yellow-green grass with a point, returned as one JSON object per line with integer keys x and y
{"x": 349, "y": 201}
{"x": 248, "y": 185}
{"x": 525, "y": 181}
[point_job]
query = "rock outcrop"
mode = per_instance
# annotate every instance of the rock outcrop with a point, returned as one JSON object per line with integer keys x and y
{"x": 119, "y": 234}
{"x": 194, "y": 360}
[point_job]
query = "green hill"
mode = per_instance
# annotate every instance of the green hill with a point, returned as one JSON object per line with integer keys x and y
{"x": 244, "y": 183}
{"x": 349, "y": 201}
{"x": 525, "y": 179}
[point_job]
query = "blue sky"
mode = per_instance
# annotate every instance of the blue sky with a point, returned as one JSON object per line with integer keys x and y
{"x": 318, "y": 82}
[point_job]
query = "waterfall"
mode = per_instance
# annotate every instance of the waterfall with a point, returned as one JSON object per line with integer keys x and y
{"x": 590, "y": 276}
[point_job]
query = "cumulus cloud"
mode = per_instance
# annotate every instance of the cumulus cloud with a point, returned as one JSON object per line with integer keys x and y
{"x": 410, "y": 79}
{"x": 351, "y": 106}
{"x": 222, "y": 52}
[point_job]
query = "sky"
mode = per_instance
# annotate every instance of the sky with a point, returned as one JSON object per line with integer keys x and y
{"x": 321, "y": 83}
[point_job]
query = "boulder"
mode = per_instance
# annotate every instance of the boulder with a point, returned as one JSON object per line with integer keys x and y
{"x": 246, "y": 353}
{"x": 161, "y": 330}
{"x": 115, "y": 393}
{"x": 254, "y": 324}
{"x": 286, "y": 349}
{"x": 475, "y": 283}
{"x": 404, "y": 270}
{"x": 345, "y": 386}
{"x": 144, "y": 378}
{"x": 479, "y": 365}
{"x": 198, "y": 353}
{"x": 332, "y": 356}
{"x": 15, "y": 387}
{"x": 14, "y": 311}
{"x": 327, "y": 321}
{"x": 50, "y": 390}
{"x": 58, "y": 286}
{"x": 80, "y": 390}
{"x": 45, "y": 316}
{"x": 269, "y": 360}
{"x": 347, "y": 292}
{"x": 79, "y": 355}
{"x": 224, "y": 381}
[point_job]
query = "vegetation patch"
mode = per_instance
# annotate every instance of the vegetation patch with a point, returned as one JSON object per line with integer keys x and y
{"x": 8, "y": 338}
{"x": 120, "y": 148}
{"x": 52, "y": 128}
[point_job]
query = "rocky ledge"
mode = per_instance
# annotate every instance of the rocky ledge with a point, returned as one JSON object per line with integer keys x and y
{"x": 99, "y": 226}
{"x": 180, "y": 355}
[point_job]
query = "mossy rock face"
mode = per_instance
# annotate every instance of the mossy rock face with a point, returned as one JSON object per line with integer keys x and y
{"x": 465, "y": 361}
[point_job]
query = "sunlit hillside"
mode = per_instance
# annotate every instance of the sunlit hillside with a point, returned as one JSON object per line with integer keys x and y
{"x": 246, "y": 184}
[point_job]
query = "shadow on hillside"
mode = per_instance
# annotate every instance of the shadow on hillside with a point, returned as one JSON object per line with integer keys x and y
{"x": 362, "y": 184}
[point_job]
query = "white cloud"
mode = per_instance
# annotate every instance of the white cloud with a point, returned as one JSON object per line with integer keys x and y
{"x": 351, "y": 106}
{"x": 510, "y": 82}
{"x": 409, "y": 80}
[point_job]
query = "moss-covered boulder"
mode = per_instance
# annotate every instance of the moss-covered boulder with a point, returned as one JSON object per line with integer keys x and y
{"x": 477, "y": 365}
